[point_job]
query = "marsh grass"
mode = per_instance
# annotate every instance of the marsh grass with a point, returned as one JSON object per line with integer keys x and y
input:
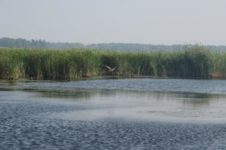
{"x": 41, "y": 64}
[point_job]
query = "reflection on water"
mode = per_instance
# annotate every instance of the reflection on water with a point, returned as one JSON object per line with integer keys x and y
{"x": 157, "y": 85}
{"x": 145, "y": 106}
{"x": 195, "y": 99}
{"x": 134, "y": 99}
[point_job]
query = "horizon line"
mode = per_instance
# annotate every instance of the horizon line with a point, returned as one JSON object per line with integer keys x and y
{"x": 96, "y": 43}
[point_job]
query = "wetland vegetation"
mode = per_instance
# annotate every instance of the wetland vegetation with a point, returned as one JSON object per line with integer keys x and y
{"x": 71, "y": 64}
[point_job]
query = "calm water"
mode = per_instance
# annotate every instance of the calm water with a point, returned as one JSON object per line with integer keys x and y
{"x": 113, "y": 114}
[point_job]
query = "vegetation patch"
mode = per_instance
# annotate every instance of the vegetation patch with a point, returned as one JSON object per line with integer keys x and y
{"x": 44, "y": 64}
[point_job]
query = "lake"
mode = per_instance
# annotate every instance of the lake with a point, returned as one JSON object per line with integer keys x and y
{"x": 113, "y": 114}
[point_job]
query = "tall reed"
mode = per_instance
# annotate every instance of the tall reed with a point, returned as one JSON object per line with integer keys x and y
{"x": 43, "y": 64}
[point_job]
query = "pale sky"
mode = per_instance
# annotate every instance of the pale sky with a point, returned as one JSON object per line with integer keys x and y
{"x": 125, "y": 21}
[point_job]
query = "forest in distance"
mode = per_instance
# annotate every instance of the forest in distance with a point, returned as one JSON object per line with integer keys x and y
{"x": 72, "y": 64}
{"x": 34, "y": 44}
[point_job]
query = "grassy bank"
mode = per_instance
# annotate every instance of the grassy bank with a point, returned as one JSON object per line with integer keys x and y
{"x": 196, "y": 62}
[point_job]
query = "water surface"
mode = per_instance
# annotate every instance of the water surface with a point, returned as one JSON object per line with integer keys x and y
{"x": 113, "y": 114}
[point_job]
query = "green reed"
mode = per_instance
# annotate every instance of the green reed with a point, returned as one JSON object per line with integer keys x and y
{"x": 44, "y": 64}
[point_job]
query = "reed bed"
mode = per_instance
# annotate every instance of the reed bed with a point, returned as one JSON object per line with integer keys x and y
{"x": 44, "y": 64}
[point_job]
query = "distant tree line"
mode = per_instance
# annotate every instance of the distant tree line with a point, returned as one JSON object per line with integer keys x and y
{"x": 23, "y": 43}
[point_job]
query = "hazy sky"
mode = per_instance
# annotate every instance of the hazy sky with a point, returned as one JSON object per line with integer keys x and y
{"x": 133, "y": 21}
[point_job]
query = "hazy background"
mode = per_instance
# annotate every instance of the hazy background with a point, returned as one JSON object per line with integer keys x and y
{"x": 128, "y": 21}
